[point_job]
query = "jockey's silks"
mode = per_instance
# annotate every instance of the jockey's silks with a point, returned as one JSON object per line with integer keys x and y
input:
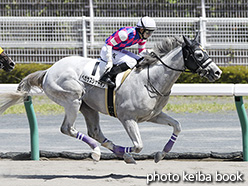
{"x": 126, "y": 37}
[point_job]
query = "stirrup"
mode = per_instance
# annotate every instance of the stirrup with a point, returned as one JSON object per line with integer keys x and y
{"x": 106, "y": 79}
{"x": 110, "y": 83}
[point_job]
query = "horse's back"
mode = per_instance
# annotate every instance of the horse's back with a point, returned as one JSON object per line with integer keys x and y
{"x": 66, "y": 69}
{"x": 61, "y": 82}
{"x": 71, "y": 62}
{"x": 69, "y": 65}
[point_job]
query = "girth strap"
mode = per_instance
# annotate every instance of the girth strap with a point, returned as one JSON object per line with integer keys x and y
{"x": 110, "y": 96}
{"x": 110, "y": 101}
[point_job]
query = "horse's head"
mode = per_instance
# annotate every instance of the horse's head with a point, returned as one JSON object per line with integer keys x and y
{"x": 6, "y": 63}
{"x": 197, "y": 60}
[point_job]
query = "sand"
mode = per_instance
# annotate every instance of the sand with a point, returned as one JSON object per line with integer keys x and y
{"x": 116, "y": 172}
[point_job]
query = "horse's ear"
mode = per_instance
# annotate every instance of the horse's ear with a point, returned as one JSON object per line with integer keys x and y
{"x": 187, "y": 41}
{"x": 197, "y": 38}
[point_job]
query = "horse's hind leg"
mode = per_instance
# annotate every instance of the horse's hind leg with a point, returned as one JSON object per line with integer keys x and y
{"x": 92, "y": 121}
{"x": 67, "y": 94}
{"x": 68, "y": 128}
{"x": 94, "y": 131}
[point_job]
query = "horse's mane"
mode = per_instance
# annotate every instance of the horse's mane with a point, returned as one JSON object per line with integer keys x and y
{"x": 161, "y": 49}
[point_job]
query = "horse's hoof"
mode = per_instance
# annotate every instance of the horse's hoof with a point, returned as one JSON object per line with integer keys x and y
{"x": 129, "y": 159}
{"x": 96, "y": 154}
{"x": 158, "y": 156}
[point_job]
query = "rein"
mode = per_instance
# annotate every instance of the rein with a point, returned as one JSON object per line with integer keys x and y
{"x": 149, "y": 84}
{"x": 153, "y": 89}
{"x": 153, "y": 54}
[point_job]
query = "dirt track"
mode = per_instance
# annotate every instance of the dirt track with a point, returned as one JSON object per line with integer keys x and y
{"x": 116, "y": 172}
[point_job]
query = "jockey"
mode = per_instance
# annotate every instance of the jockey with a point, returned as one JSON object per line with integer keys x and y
{"x": 113, "y": 51}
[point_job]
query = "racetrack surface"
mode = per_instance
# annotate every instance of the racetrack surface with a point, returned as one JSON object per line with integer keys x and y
{"x": 117, "y": 173}
{"x": 201, "y": 132}
{"x": 204, "y": 133}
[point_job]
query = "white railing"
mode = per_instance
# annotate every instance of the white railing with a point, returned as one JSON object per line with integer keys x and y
{"x": 45, "y": 32}
{"x": 202, "y": 89}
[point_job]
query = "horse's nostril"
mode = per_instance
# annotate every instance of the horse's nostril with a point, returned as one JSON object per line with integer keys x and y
{"x": 12, "y": 64}
{"x": 217, "y": 73}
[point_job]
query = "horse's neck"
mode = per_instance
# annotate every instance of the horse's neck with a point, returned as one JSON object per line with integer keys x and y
{"x": 174, "y": 59}
{"x": 164, "y": 76}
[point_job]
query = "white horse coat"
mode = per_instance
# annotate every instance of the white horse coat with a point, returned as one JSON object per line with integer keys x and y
{"x": 140, "y": 98}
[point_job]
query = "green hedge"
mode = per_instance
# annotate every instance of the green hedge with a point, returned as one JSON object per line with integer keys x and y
{"x": 230, "y": 74}
{"x": 20, "y": 71}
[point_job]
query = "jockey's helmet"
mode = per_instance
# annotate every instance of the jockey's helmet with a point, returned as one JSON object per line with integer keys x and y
{"x": 147, "y": 23}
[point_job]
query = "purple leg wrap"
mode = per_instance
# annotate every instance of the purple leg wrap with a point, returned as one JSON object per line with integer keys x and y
{"x": 119, "y": 151}
{"x": 170, "y": 143}
{"x": 90, "y": 141}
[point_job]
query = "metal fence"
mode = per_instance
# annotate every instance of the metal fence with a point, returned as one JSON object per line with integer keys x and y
{"x": 48, "y": 32}
{"x": 124, "y": 8}
{"x": 52, "y": 29}
{"x": 48, "y": 39}
{"x": 41, "y": 39}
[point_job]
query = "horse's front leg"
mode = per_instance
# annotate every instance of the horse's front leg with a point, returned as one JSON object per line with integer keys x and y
{"x": 164, "y": 119}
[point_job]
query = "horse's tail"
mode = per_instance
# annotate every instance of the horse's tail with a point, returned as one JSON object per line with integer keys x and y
{"x": 32, "y": 80}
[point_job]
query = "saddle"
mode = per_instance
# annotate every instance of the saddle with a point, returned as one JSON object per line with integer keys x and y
{"x": 92, "y": 72}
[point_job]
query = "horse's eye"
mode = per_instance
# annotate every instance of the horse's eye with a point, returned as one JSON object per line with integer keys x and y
{"x": 199, "y": 55}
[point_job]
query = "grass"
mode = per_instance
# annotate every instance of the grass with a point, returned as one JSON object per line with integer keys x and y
{"x": 196, "y": 104}
{"x": 42, "y": 109}
{"x": 176, "y": 104}
{"x": 199, "y": 107}
{"x": 42, "y": 105}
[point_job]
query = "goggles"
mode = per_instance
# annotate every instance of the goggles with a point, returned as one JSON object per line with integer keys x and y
{"x": 148, "y": 32}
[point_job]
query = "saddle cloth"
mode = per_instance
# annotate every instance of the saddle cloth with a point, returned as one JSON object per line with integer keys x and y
{"x": 93, "y": 72}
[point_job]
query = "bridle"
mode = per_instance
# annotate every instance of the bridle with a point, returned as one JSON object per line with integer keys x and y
{"x": 1, "y": 63}
{"x": 187, "y": 54}
{"x": 4, "y": 58}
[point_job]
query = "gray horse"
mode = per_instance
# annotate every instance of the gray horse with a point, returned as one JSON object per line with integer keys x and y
{"x": 6, "y": 63}
{"x": 141, "y": 97}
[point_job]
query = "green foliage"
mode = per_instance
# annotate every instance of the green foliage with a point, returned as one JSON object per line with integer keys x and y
{"x": 20, "y": 71}
{"x": 234, "y": 74}
{"x": 230, "y": 74}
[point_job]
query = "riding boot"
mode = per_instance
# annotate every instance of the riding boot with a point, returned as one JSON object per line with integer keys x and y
{"x": 107, "y": 78}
